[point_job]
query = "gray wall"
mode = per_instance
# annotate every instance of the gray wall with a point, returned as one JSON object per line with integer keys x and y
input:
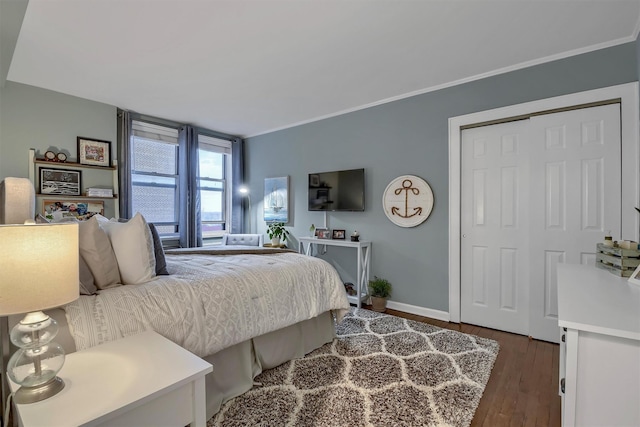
{"x": 31, "y": 117}
{"x": 409, "y": 136}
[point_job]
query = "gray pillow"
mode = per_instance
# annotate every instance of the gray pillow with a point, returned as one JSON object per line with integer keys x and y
{"x": 161, "y": 262}
{"x": 87, "y": 285}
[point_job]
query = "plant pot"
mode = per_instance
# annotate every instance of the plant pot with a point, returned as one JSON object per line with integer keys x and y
{"x": 275, "y": 241}
{"x": 379, "y": 304}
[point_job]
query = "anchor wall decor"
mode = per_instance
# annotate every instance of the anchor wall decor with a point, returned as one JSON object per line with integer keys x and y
{"x": 408, "y": 201}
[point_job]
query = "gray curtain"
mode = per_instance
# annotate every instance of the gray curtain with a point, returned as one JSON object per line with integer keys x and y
{"x": 124, "y": 163}
{"x": 237, "y": 179}
{"x": 189, "y": 208}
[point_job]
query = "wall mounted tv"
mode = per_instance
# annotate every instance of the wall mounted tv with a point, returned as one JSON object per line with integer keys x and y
{"x": 337, "y": 191}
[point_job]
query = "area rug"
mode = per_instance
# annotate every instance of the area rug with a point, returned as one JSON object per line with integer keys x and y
{"x": 381, "y": 370}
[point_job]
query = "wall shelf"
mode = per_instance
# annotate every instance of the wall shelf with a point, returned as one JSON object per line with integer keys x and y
{"x": 72, "y": 164}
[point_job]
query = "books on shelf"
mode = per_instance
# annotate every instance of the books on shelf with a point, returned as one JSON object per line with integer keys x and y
{"x": 99, "y": 192}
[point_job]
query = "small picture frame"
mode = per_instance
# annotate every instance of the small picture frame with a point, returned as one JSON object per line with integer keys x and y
{"x": 314, "y": 180}
{"x": 324, "y": 234}
{"x": 338, "y": 234}
{"x": 635, "y": 276}
{"x": 94, "y": 152}
{"x": 60, "y": 181}
{"x": 61, "y": 209}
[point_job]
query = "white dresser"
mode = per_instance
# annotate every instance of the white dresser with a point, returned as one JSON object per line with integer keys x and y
{"x": 599, "y": 317}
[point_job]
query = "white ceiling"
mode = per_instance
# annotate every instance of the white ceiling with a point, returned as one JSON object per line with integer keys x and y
{"x": 250, "y": 67}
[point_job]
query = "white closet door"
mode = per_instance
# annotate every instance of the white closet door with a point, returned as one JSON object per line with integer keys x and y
{"x": 495, "y": 227}
{"x": 535, "y": 193}
{"x": 576, "y": 191}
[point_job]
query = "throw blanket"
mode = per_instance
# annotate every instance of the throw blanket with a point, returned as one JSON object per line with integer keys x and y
{"x": 227, "y": 250}
{"x": 210, "y": 302}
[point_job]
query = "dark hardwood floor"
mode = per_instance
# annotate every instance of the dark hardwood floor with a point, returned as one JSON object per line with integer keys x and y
{"x": 523, "y": 387}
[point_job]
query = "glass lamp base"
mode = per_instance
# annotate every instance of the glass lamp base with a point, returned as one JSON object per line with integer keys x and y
{"x": 38, "y": 393}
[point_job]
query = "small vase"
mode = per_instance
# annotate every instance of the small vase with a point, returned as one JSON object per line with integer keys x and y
{"x": 275, "y": 241}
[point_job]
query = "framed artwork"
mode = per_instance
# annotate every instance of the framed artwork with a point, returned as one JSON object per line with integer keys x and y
{"x": 60, "y": 181}
{"x": 314, "y": 180}
{"x": 408, "y": 201}
{"x": 338, "y": 234}
{"x": 58, "y": 209}
{"x": 276, "y": 199}
{"x": 324, "y": 234}
{"x": 635, "y": 276}
{"x": 94, "y": 152}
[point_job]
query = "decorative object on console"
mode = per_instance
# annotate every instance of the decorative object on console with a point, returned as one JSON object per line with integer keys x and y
{"x": 277, "y": 232}
{"x": 324, "y": 233}
{"x": 94, "y": 152}
{"x": 338, "y": 234}
{"x": 379, "y": 290}
{"x": 617, "y": 260}
{"x": 408, "y": 201}
{"x": 276, "y": 199}
{"x": 41, "y": 272}
{"x": 312, "y": 230}
{"x": 355, "y": 236}
{"x": 60, "y": 181}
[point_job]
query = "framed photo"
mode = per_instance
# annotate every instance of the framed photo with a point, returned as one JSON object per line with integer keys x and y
{"x": 318, "y": 230}
{"x": 338, "y": 234}
{"x": 314, "y": 180}
{"x": 60, "y": 181}
{"x": 94, "y": 152}
{"x": 59, "y": 209}
{"x": 276, "y": 199}
{"x": 324, "y": 234}
{"x": 635, "y": 276}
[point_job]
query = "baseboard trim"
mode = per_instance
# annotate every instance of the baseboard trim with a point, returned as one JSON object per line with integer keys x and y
{"x": 420, "y": 311}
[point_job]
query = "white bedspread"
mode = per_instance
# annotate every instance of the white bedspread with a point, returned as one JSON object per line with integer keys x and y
{"x": 210, "y": 302}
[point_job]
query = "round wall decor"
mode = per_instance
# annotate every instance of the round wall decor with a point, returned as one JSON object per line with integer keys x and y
{"x": 408, "y": 201}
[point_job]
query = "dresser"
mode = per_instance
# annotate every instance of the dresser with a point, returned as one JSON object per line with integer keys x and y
{"x": 599, "y": 319}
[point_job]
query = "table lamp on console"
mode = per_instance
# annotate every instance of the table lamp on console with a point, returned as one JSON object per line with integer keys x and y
{"x": 39, "y": 272}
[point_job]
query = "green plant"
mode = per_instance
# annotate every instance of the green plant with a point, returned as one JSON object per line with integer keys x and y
{"x": 312, "y": 228}
{"x": 277, "y": 230}
{"x": 380, "y": 288}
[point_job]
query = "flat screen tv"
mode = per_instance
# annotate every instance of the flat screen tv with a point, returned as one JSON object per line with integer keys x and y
{"x": 337, "y": 191}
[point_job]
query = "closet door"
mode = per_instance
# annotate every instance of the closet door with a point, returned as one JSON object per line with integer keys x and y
{"x": 576, "y": 191}
{"x": 495, "y": 227}
{"x": 535, "y": 193}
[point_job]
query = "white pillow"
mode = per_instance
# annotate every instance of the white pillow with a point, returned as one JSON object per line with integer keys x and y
{"x": 132, "y": 243}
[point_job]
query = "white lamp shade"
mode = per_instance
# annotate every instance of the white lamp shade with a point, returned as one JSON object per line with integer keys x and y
{"x": 17, "y": 200}
{"x": 39, "y": 267}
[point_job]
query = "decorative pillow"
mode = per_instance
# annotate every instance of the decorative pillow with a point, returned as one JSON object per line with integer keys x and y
{"x": 133, "y": 246}
{"x": 97, "y": 252}
{"x": 87, "y": 285}
{"x": 161, "y": 262}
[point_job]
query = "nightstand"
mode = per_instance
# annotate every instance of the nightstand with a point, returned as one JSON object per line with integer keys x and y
{"x": 142, "y": 380}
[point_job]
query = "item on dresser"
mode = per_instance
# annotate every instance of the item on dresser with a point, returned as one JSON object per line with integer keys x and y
{"x": 618, "y": 261}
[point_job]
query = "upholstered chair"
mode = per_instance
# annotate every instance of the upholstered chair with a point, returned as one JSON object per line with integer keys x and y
{"x": 242, "y": 240}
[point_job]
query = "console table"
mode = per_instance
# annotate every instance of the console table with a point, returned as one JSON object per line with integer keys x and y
{"x": 363, "y": 256}
{"x": 599, "y": 347}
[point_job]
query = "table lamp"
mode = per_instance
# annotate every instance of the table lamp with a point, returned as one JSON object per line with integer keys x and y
{"x": 39, "y": 272}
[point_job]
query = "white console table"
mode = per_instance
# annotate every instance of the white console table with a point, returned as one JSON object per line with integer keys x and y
{"x": 599, "y": 347}
{"x": 364, "y": 257}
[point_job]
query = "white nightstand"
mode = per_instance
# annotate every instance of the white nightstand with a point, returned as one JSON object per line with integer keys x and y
{"x": 142, "y": 380}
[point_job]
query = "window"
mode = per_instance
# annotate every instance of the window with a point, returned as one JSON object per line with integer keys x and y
{"x": 214, "y": 166}
{"x": 154, "y": 175}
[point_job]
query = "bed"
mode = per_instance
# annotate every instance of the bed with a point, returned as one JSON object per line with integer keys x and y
{"x": 244, "y": 309}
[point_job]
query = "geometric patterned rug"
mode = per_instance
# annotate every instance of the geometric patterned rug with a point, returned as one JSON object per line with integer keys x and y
{"x": 381, "y": 370}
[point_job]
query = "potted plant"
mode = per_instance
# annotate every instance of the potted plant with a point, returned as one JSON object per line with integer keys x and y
{"x": 379, "y": 290}
{"x": 277, "y": 232}
{"x": 312, "y": 230}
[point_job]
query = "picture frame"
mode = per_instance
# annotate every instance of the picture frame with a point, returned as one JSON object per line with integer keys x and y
{"x": 94, "y": 152}
{"x": 67, "y": 182}
{"x": 318, "y": 230}
{"x": 635, "y": 276}
{"x": 324, "y": 234}
{"x": 338, "y": 234}
{"x": 61, "y": 209}
{"x": 314, "y": 180}
{"x": 276, "y": 199}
